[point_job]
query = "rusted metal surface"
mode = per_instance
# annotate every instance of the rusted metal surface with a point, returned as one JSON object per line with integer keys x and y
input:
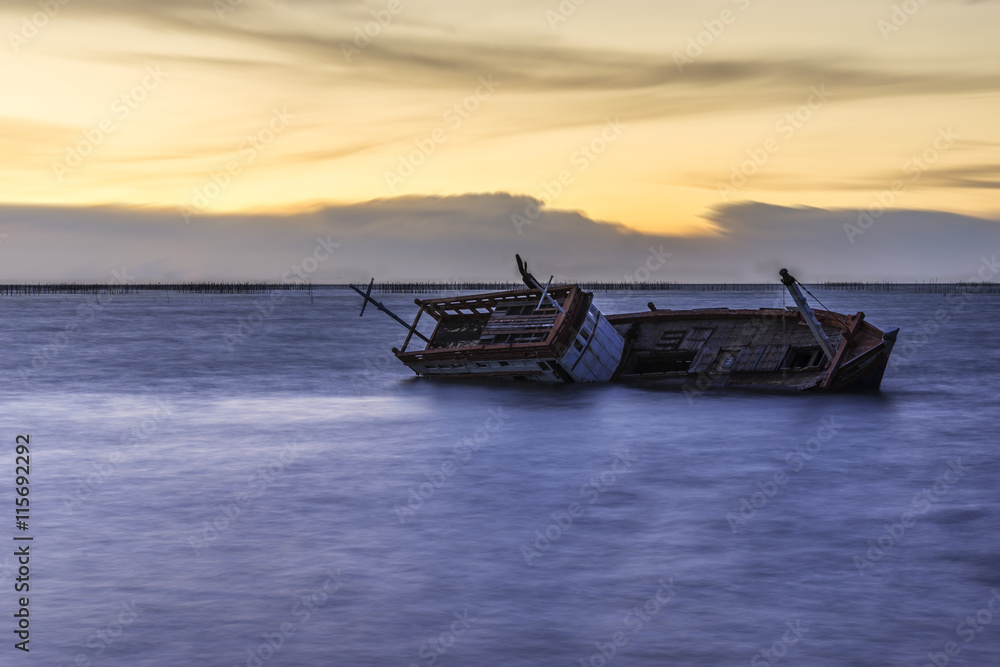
{"x": 767, "y": 348}
{"x": 513, "y": 334}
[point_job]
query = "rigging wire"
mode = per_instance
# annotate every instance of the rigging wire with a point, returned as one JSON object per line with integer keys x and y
{"x": 783, "y": 309}
{"x": 842, "y": 321}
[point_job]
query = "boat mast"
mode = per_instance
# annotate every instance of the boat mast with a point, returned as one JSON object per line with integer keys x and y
{"x": 788, "y": 280}
{"x": 368, "y": 299}
{"x": 533, "y": 283}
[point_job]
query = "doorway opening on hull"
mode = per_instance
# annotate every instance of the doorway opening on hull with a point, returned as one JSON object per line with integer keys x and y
{"x": 804, "y": 357}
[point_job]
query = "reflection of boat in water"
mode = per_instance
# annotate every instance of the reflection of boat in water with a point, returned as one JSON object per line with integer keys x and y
{"x": 557, "y": 334}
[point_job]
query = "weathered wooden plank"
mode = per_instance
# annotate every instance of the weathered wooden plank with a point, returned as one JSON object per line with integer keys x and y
{"x": 772, "y": 357}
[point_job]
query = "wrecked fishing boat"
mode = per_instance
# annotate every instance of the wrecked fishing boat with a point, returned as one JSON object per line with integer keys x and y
{"x": 556, "y": 334}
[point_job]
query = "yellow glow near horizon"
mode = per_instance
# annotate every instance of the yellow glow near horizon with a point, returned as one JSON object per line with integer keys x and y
{"x": 260, "y": 108}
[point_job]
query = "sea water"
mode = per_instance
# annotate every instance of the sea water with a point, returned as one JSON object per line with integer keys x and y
{"x": 255, "y": 480}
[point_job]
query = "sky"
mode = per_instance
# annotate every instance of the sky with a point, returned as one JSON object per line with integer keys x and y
{"x": 432, "y": 139}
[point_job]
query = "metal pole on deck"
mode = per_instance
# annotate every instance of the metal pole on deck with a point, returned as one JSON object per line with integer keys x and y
{"x": 368, "y": 298}
{"x": 788, "y": 280}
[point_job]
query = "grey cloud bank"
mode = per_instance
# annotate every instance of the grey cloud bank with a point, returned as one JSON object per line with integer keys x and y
{"x": 472, "y": 237}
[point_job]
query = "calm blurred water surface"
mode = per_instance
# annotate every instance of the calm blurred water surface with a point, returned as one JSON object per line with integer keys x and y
{"x": 194, "y": 500}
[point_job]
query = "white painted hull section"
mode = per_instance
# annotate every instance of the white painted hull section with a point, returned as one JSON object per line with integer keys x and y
{"x": 593, "y": 356}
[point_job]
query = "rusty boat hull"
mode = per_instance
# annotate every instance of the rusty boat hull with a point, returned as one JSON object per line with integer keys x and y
{"x": 557, "y": 334}
{"x": 768, "y": 348}
{"x": 504, "y": 335}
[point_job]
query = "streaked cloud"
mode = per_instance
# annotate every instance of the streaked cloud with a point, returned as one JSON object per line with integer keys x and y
{"x": 359, "y": 117}
{"x": 474, "y": 237}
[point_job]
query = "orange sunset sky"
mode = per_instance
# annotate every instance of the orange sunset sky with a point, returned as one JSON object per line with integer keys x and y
{"x": 670, "y": 122}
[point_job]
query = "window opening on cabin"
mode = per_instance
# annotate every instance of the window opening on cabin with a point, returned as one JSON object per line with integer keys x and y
{"x": 670, "y": 340}
{"x": 725, "y": 360}
{"x": 696, "y": 338}
{"x": 804, "y": 357}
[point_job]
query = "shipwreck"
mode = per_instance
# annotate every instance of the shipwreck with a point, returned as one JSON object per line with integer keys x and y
{"x": 557, "y": 334}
